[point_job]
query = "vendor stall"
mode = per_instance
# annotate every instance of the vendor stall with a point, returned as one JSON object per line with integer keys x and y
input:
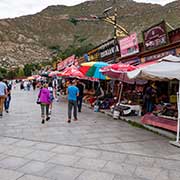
{"x": 126, "y": 96}
{"x": 167, "y": 68}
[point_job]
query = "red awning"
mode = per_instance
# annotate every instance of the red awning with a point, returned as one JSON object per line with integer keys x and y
{"x": 66, "y": 63}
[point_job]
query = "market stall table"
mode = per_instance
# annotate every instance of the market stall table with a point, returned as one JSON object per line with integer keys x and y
{"x": 136, "y": 108}
{"x": 162, "y": 122}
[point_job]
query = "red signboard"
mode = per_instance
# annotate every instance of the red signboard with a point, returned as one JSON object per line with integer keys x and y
{"x": 66, "y": 62}
{"x": 155, "y": 36}
{"x": 129, "y": 45}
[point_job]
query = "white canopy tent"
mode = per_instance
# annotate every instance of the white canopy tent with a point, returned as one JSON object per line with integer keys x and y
{"x": 167, "y": 68}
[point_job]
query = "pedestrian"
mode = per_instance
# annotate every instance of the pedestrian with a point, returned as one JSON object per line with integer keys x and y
{"x": 80, "y": 86}
{"x": 51, "y": 90}
{"x": 72, "y": 92}
{"x": 25, "y": 85}
{"x": 14, "y": 84}
{"x": 44, "y": 100}
{"x": 34, "y": 85}
{"x": 22, "y": 85}
{"x": 55, "y": 87}
{"x": 3, "y": 93}
{"x": 28, "y": 85}
{"x": 8, "y": 97}
{"x": 150, "y": 97}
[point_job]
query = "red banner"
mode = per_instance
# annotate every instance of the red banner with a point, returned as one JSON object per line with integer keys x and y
{"x": 66, "y": 63}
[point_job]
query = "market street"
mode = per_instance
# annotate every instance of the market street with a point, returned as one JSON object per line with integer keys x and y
{"x": 96, "y": 147}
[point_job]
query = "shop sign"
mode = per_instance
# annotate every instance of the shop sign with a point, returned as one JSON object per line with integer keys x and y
{"x": 155, "y": 36}
{"x": 108, "y": 49}
{"x": 102, "y": 52}
{"x": 133, "y": 62}
{"x": 66, "y": 62}
{"x": 129, "y": 45}
{"x": 160, "y": 55}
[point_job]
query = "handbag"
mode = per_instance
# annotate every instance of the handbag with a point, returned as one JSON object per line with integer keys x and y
{"x": 38, "y": 101}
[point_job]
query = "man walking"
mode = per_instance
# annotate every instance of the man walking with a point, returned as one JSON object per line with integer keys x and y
{"x": 8, "y": 97}
{"x": 3, "y": 92}
{"x": 80, "y": 86}
{"x": 72, "y": 92}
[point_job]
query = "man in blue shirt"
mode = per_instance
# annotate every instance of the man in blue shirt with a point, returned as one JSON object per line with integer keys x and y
{"x": 72, "y": 92}
{"x": 3, "y": 92}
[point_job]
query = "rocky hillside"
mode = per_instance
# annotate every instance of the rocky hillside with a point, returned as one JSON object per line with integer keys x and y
{"x": 29, "y": 38}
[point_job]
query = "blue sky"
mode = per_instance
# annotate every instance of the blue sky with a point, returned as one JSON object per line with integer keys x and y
{"x": 15, "y": 8}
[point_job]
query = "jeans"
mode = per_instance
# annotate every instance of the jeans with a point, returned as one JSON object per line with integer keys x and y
{"x": 79, "y": 102}
{"x": 44, "y": 108}
{"x": 72, "y": 104}
{"x": 149, "y": 106}
{"x": 7, "y": 102}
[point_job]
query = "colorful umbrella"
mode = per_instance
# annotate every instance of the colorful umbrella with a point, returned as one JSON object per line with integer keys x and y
{"x": 91, "y": 69}
{"x": 71, "y": 72}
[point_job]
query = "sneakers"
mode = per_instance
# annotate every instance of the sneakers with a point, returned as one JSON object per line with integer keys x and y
{"x": 69, "y": 121}
{"x": 43, "y": 121}
{"x": 48, "y": 118}
{"x": 7, "y": 111}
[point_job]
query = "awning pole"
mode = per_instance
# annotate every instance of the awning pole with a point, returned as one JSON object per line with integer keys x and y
{"x": 120, "y": 93}
{"x": 178, "y": 121}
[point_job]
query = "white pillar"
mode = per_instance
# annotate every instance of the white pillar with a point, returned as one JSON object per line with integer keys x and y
{"x": 178, "y": 121}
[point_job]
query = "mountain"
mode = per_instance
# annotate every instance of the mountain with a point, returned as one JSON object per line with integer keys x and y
{"x": 30, "y": 38}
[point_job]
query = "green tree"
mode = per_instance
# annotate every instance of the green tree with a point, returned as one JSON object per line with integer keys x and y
{"x": 20, "y": 73}
{"x": 11, "y": 74}
{"x": 73, "y": 21}
{"x": 28, "y": 69}
{"x": 3, "y": 72}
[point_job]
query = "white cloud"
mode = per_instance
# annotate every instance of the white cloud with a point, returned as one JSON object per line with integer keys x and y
{"x": 162, "y": 2}
{"x": 15, "y": 8}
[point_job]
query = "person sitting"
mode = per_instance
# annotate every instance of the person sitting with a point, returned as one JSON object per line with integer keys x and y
{"x": 99, "y": 95}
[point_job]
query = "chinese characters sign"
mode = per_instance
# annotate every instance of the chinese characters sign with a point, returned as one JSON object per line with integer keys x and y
{"x": 155, "y": 36}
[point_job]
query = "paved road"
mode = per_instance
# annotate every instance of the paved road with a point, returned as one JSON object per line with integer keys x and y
{"x": 93, "y": 148}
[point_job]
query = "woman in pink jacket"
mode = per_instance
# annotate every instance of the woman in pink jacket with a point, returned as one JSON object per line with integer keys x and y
{"x": 44, "y": 99}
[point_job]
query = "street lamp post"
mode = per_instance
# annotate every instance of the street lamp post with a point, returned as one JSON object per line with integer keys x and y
{"x": 112, "y": 20}
{"x": 109, "y": 19}
{"x": 115, "y": 33}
